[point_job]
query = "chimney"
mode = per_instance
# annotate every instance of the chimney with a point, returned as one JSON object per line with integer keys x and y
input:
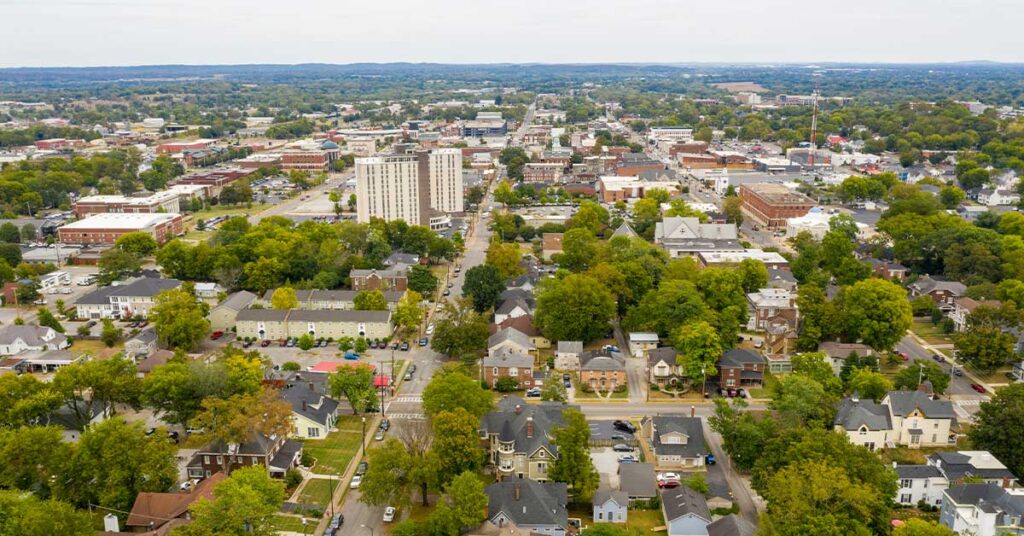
{"x": 693, "y": 411}
{"x": 311, "y": 386}
{"x": 110, "y": 523}
{"x": 519, "y": 409}
{"x": 517, "y": 491}
{"x": 529, "y": 427}
{"x": 303, "y": 404}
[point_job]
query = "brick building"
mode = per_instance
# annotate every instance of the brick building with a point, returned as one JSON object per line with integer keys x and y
{"x": 166, "y": 201}
{"x": 106, "y": 228}
{"x": 379, "y": 279}
{"x": 740, "y": 367}
{"x": 770, "y": 205}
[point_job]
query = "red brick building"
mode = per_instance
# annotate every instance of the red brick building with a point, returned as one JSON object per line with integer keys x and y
{"x": 105, "y": 229}
{"x": 770, "y": 205}
{"x": 740, "y": 367}
{"x": 379, "y": 280}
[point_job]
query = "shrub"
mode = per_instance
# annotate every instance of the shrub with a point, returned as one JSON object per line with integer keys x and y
{"x": 506, "y": 384}
{"x": 291, "y": 366}
{"x": 292, "y": 478}
{"x": 307, "y": 460}
{"x": 655, "y": 387}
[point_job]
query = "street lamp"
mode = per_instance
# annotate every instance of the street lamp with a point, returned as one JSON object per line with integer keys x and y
{"x": 303, "y": 526}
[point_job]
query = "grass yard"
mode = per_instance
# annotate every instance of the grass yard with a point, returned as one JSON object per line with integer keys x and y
{"x": 908, "y": 456}
{"x": 334, "y": 452}
{"x": 94, "y": 348}
{"x": 288, "y": 523}
{"x": 644, "y": 520}
{"x": 1000, "y": 375}
{"x": 318, "y": 491}
{"x": 234, "y": 210}
{"x": 931, "y": 333}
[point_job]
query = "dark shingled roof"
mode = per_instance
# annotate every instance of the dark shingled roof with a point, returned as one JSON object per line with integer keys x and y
{"x": 678, "y": 502}
{"x": 905, "y": 402}
{"x": 637, "y": 479}
{"x": 854, "y": 413}
{"x": 318, "y": 407}
{"x": 505, "y": 422}
{"x": 538, "y": 503}
{"x": 737, "y": 357}
{"x": 917, "y": 471}
{"x": 731, "y": 525}
{"x": 691, "y": 426}
{"x": 990, "y": 497}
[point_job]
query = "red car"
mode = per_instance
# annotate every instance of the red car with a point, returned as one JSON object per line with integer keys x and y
{"x": 216, "y": 335}
{"x": 979, "y": 388}
{"x": 265, "y": 343}
{"x": 668, "y": 484}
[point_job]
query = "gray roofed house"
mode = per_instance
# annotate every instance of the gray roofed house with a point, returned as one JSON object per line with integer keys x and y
{"x": 512, "y": 339}
{"x": 504, "y": 358}
{"x": 686, "y": 236}
{"x": 603, "y": 360}
{"x": 676, "y": 441}
{"x": 903, "y": 403}
{"x": 917, "y": 420}
{"x": 686, "y": 512}
{"x": 625, "y": 230}
{"x": 778, "y": 278}
{"x": 918, "y": 483}
{"x": 837, "y": 352}
{"x": 738, "y": 357}
{"x": 942, "y": 291}
{"x": 731, "y": 525}
{"x": 662, "y": 367}
{"x": 513, "y": 293}
{"x": 512, "y": 308}
{"x": 982, "y": 509}
{"x": 238, "y": 300}
{"x": 524, "y": 430}
{"x": 15, "y": 339}
{"x": 956, "y": 466}
{"x": 314, "y": 414}
{"x": 338, "y": 315}
{"x": 331, "y": 299}
{"x": 567, "y": 355}
{"x": 610, "y": 506}
{"x": 141, "y": 344}
{"x": 637, "y": 480}
{"x": 540, "y": 506}
{"x": 133, "y": 299}
{"x": 854, "y": 414}
{"x": 224, "y": 315}
{"x": 262, "y": 315}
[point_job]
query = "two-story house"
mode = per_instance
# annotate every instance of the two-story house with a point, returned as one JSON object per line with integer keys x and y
{"x": 982, "y": 510}
{"x": 741, "y": 367}
{"x": 942, "y": 291}
{"x": 537, "y": 507}
{"x": 769, "y": 304}
{"x": 686, "y": 512}
{"x": 676, "y": 441}
{"x": 517, "y": 438}
{"x": 838, "y": 352}
{"x": 524, "y": 325}
{"x": 506, "y": 362}
{"x": 959, "y": 466}
{"x": 964, "y": 306}
{"x": 919, "y": 484}
{"x": 888, "y": 269}
{"x": 662, "y": 369}
{"x": 512, "y": 308}
{"x": 864, "y": 422}
{"x": 567, "y": 355}
{"x": 313, "y": 415}
{"x": 603, "y": 370}
{"x": 391, "y": 279}
{"x": 277, "y": 454}
{"x": 919, "y": 421}
{"x": 510, "y": 339}
{"x": 15, "y": 339}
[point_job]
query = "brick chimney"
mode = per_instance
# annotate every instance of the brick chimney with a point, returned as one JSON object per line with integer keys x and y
{"x": 517, "y": 491}
{"x": 529, "y": 427}
{"x": 303, "y": 404}
{"x": 693, "y": 411}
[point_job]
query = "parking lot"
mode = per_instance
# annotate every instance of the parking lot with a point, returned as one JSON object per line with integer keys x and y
{"x": 605, "y": 433}
{"x": 606, "y": 461}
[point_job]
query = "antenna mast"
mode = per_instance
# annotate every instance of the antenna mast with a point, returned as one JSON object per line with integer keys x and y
{"x": 814, "y": 121}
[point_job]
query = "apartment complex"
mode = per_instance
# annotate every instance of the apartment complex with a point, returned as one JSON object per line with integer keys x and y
{"x": 770, "y": 204}
{"x": 106, "y": 228}
{"x": 409, "y": 187}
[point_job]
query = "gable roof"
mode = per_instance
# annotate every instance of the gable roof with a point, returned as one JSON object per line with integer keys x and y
{"x": 159, "y": 508}
{"x": 512, "y": 335}
{"x": 146, "y": 287}
{"x": 902, "y": 403}
{"x": 688, "y": 228}
{"x": 237, "y": 301}
{"x": 928, "y": 284}
{"x": 682, "y": 501}
{"x": 917, "y": 471}
{"x": 625, "y": 230}
{"x": 509, "y": 421}
{"x": 637, "y": 479}
{"x": 31, "y": 335}
{"x": 989, "y": 496}
{"x": 854, "y": 413}
{"x": 318, "y": 408}
{"x": 731, "y": 525}
{"x": 570, "y": 347}
{"x": 509, "y": 305}
{"x": 506, "y": 357}
{"x": 146, "y": 336}
{"x": 602, "y": 360}
{"x": 538, "y": 503}
{"x": 602, "y": 496}
{"x": 522, "y": 324}
{"x": 737, "y": 357}
{"x": 957, "y": 465}
{"x": 665, "y": 353}
{"x": 690, "y": 426}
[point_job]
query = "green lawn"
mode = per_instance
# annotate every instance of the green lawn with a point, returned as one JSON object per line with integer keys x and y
{"x": 643, "y": 520}
{"x": 931, "y": 333}
{"x": 334, "y": 452}
{"x": 289, "y": 523}
{"x": 318, "y": 491}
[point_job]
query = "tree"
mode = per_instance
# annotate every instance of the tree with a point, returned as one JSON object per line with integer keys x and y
{"x": 116, "y": 460}
{"x": 389, "y": 475}
{"x": 416, "y": 240}
{"x": 46, "y": 318}
{"x": 175, "y": 391}
{"x": 137, "y": 243}
{"x": 697, "y": 483}
{"x": 984, "y": 346}
{"x": 10, "y": 253}
{"x": 450, "y": 389}
{"x": 733, "y": 209}
{"x": 243, "y": 504}
{"x": 591, "y": 216}
{"x": 422, "y": 280}
{"x": 9, "y": 233}
{"x": 110, "y": 333}
{"x": 754, "y": 275}
{"x": 408, "y": 313}
{"x": 554, "y": 391}
{"x": 179, "y": 320}
{"x": 370, "y": 300}
{"x": 812, "y": 497}
{"x": 999, "y": 427}
{"x": 465, "y": 501}
{"x": 29, "y": 467}
{"x": 457, "y": 442}
{"x": 228, "y": 422}
{"x": 699, "y": 349}
{"x": 27, "y": 515}
{"x": 484, "y": 284}
{"x": 579, "y": 250}
{"x": 916, "y": 526}
{"x": 505, "y": 257}
{"x": 877, "y": 312}
{"x": 909, "y": 378}
{"x": 816, "y": 366}
{"x": 28, "y": 232}
{"x": 355, "y": 383}
{"x": 461, "y": 332}
{"x": 440, "y": 248}
{"x": 506, "y": 384}
{"x": 305, "y": 342}
{"x": 25, "y": 400}
{"x": 361, "y": 345}
{"x": 869, "y": 384}
{"x": 576, "y": 308}
{"x": 951, "y": 196}
{"x": 116, "y": 263}
{"x": 88, "y": 388}
{"x": 800, "y": 401}
{"x": 574, "y": 465}
{"x": 284, "y": 298}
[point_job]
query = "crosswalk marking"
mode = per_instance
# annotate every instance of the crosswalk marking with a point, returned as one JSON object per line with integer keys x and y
{"x": 970, "y": 402}
{"x": 407, "y": 416}
{"x": 407, "y": 398}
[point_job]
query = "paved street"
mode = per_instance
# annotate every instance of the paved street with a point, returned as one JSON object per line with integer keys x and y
{"x": 966, "y": 399}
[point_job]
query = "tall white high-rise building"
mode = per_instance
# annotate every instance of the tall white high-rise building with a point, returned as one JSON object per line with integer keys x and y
{"x": 409, "y": 187}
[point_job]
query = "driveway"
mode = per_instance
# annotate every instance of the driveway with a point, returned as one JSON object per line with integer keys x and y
{"x": 606, "y": 461}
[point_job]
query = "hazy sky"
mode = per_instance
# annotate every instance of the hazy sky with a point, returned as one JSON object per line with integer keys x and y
{"x": 134, "y": 32}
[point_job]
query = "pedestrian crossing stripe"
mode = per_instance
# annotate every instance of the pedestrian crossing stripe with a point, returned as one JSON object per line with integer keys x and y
{"x": 407, "y": 416}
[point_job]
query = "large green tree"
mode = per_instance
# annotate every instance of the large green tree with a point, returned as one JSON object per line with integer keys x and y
{"x": 812, "y": 497}
{"x": 456, "y": 442}
{"x": 877, "y": 312}
{"x": 370, "y": 300}
{"x": 244, "y": 504}
{"x": 422, "y": 280}
{"x": 911, "y": 376}
{"x": 24, "y": 399}
{"x": 461, "y": 332}
{"x": 179, "y": 319}
{"x": 355, "y": 384}
{"x": 484, "y": 284}
{"x": 576, "y": 308}
{"x": 88, "y": 388}
{"x": 999, "y": 427}
{"x": 699, "y": 349}
{"x": 137, "y": 243}
{"x": 26, "y": 515}
{"x": 574, "y": 465}
{"x": 450, "y": 389}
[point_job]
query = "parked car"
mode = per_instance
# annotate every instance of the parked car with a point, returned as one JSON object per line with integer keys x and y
{"x": 423, "y": 341}
{"x": 668, "y": 476}
{"x": 265, "y": 343}
{"x": 405, "y": 347}
{"x": 533, "y": 392}
{"x": 412, "y": 367}
{"x": 622, "y": 447}
{"x": 709, "y": 459}
{"x": 628, "y": 458}
{"x": 246, "y": 344}
{"x": 394, "y": 346}
{"x": 979, "y": 388}
{"x": 290, "y": 343}
{"x": 389, "y": 514}
{"x": 618, "y": 437}
{"x": 430, "y": 329}
{"x": 373, "y": 345}
{"x": 447, "y": 292}
{"x": 625, "y": 426}
{"x": 362, "y": 467}
{"x": 216, "y": 335}
{"x": 350, "y": 355}
{"x": 668, "y": 484}
{"x": 356, "y": 480}
{"x": 408, "y": 376}
{"x": 385, "y": 424}
{"x": 938, "y": 358}
{"x": 957, "y": 371}
{"x": 379, "y": 436}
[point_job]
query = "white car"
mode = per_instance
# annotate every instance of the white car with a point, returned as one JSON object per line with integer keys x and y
{"x": 668, "y": 476}
{"x": 430, "y": 329}
{"x": 356, "y": 480}
{"x": 628, "y": 458}
{"x": 389, "y": 514}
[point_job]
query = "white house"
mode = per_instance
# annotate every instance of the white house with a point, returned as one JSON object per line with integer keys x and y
{"x": 919, "y": 483}
{"x": 313, "y": 415}
{"x": 641, "y": 342}
{"x": 998, "y": 197}
{"x": 610, "y": 506}
{"x": 16, "y": 339}
{"x": 982, "y": 510}
{"x": 567, "y": 355}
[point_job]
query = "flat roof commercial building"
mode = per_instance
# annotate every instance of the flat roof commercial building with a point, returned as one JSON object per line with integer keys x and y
{"x": 106, "y": 228}
{"x": 770, "y": 204}
{"x": 165, "y": 201}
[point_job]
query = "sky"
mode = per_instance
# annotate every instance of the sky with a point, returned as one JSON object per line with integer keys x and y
{"x": 205, "y": 32}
